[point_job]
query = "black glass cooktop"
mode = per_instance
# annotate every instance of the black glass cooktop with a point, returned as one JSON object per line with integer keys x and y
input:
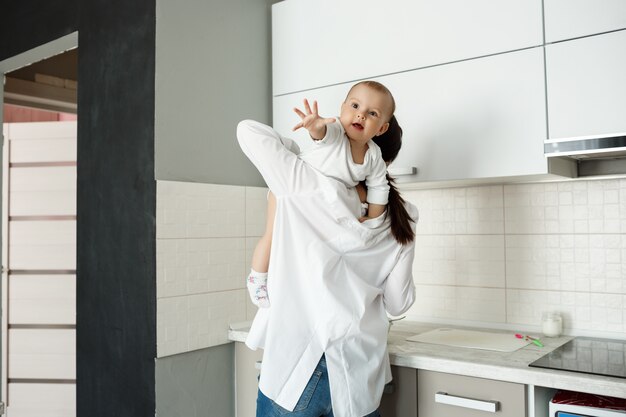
{"x": 588, "y": 355}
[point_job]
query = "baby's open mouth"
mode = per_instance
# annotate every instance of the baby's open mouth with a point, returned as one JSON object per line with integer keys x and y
{"x": 358, "y": 126}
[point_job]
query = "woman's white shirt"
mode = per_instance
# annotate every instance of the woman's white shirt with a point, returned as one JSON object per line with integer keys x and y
{"x": 331, "y": 279}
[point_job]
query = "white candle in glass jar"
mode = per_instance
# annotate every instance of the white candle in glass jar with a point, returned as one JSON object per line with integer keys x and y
{"x": 551, "y": 324}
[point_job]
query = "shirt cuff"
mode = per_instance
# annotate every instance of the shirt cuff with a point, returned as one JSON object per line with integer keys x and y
{"x": 375, "y": 196}
{"x": 331, "y": 132}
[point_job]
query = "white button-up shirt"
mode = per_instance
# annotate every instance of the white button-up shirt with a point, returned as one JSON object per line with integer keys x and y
{"x": 331, "y": 279}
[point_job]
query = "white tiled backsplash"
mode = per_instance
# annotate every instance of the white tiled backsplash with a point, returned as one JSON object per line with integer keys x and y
{"x": 205, "y": 237}
{"x": 503, "y": 254}
{"x": 491, "y": 255}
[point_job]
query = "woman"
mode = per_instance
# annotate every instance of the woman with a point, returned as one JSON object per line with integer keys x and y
{"x": 333, "y": 280}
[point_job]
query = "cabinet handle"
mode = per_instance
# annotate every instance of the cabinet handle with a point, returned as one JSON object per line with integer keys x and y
{"x": 445, "y": 398}
{"x": 399, "y": 171}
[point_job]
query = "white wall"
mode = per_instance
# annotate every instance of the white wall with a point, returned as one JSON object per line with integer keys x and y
{"x": 213, "y": 69}
{"x": 494, "y": 255}
{"x": 205, "y": 237}
{"x": 500, "y": 255}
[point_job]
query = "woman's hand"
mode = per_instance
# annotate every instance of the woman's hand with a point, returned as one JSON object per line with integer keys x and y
{"x": 312, "y": 121}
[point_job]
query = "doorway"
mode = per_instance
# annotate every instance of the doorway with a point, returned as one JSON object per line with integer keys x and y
{"x": 39, "y": 231}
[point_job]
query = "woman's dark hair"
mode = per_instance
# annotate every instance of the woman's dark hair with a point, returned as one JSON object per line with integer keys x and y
{"x": 390, "y": 143}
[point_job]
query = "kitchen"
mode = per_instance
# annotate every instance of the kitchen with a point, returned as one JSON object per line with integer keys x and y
{"x": 492, "y": 254}
{"x": 488, "y": 256}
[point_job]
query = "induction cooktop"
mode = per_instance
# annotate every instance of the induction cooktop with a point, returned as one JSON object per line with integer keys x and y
{"x": 588, "y": 355}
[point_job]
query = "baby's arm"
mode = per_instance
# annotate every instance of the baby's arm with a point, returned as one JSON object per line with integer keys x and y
{"x": 257, "y": 279}
{"x": 377, "y": 189}
{"x": 312, "y": 121}
{"x": 373, "y": 211}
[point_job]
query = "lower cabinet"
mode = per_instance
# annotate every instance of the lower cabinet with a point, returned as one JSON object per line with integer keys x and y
{"x": 400, "y": 395}
{"x": 448, "y": 395}
{"x": 246, "y": 383}
{"x": 411, "y": 393}
{"x": 399, "y": 398}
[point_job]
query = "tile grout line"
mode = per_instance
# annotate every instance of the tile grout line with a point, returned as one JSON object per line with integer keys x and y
{"x": 200, "y": 293}
{"x": 506, "y": 286}
{"x": 524, "y": 289}
{"x": 206, "y": 238}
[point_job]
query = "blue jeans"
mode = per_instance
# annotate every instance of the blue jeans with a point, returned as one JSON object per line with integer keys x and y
{"x": 314, "y": 401}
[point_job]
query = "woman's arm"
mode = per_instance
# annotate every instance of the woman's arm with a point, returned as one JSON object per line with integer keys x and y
{"x": 399, "y": 293}
{"x": 281, "y": 169}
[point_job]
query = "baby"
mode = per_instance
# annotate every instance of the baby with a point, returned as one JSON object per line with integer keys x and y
{"x": 343, "y": 150}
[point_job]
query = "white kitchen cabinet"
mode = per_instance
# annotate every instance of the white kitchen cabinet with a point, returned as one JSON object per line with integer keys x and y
{"x": 567, "y": 19}
{"x": 246, "y": 382}
{"x": 318, "y": 43}
{"x": 586, "y": 86}
{"x": 450, "y": 395}
{"x": 475, "y": 119}
{"x": 538, "y": 400}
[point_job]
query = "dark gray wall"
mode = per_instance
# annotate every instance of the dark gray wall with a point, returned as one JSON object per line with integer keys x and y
{"x": 213, "y": 69}
{"x": 27, "y": 24}
{"x": 116, "y": 268}
{"x": 116, "y": 255}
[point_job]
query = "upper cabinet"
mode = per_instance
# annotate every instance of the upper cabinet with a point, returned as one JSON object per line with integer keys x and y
{"x": 475, "y": 119}
{"x": 586, "y": 86}
{"x": 567, "y": 19}
{"x": 326, "y": 42}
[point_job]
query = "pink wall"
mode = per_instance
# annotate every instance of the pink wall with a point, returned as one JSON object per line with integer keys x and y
{"x": 17, "y": 114}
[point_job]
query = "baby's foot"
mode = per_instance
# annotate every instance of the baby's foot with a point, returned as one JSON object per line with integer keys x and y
{"x": 257, "y": 288}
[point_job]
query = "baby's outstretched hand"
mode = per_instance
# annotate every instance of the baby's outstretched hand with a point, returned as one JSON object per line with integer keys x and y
{"x": 312, "y": 121}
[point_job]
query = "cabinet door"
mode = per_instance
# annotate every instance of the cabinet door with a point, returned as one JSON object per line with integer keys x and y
{"x": 587, "y": 86}
{"x": 317, "y": 43}
{"x": 567, "y": 19}
{"x": 400, "y": 396}
{"x": 449, "y": 395}
{"x": 246, "y": 382}
{"x": 481, "y": 118}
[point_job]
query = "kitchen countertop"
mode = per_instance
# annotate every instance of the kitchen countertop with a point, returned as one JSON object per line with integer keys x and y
{"x": 502, "y": 366}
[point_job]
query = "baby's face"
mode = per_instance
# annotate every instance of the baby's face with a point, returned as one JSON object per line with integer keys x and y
{"x": 365, "y": 113}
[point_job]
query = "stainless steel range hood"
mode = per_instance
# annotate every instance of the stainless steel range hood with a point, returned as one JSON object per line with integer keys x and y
{"x": 599, "y": 146}
{"x": 595, "y": 155}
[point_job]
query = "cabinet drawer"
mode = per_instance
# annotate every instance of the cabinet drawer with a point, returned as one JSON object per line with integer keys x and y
{"x": 448, "y": 395}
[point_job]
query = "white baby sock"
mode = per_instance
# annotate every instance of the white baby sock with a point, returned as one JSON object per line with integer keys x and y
{"x": 257, "y": 288}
